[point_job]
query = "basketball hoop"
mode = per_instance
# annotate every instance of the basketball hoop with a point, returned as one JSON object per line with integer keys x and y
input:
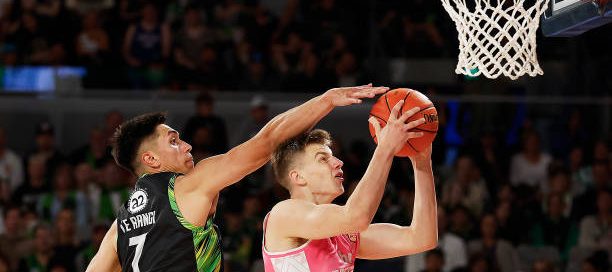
{"x": 496, "y": 37}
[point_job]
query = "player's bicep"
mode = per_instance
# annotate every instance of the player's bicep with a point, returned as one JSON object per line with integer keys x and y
{"x": 215, "y": 173}
{"x": 106, "y": 258}
{"x": 301, "y": 219}
{"x": 382, "y": 241}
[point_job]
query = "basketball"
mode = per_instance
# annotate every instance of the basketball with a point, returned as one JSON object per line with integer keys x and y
{"x": 382, "y": 109}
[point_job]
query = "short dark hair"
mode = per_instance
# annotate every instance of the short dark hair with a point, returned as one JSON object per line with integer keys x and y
{"x": 130, "y": 135}
{"x": 284, "y": 156}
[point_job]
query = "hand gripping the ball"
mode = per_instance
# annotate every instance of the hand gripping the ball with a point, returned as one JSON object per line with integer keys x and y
{"x": 397, "y": 132}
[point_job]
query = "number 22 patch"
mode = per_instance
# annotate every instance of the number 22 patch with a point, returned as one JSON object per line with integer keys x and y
{"x": 138, "y": 201}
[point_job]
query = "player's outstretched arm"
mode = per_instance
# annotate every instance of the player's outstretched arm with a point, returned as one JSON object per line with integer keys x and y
{"x": 381, "y": 241}
{"x": 215, "y": 173}
{"x": 106, "y": 258}
{"x": 299, "y": 218}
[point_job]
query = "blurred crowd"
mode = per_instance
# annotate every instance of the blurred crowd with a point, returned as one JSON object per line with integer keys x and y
{"x": 182, "y": 44}
{"x": 536, "y": 204}
{"x": 222, "y": 44}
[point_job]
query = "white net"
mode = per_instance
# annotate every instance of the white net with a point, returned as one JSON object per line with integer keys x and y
{"x": 496, "y": 37}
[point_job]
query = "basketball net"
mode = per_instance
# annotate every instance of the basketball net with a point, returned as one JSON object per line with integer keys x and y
{"x": 496, "y": 37}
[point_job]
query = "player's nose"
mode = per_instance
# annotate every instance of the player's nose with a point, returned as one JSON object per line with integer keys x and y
{"x": 188, "y": 147}
{"x": 337, "y": 163}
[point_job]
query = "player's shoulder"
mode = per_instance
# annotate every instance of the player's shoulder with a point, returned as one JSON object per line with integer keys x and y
{"x": 289, "y": 207}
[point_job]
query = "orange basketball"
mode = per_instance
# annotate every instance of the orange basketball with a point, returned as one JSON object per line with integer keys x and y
{"x": 382, "y": 109}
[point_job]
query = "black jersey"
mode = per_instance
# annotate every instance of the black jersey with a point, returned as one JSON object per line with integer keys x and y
{"x": 152, "y": 234}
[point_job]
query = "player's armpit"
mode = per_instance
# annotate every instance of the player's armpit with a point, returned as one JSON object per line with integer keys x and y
{"x": 382, "y": 241}
{"x": 106, "y": 258}
{"x": 295, "y": 218}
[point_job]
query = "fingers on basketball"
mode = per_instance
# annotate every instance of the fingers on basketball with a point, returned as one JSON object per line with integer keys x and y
{"x": 424, "y": 123}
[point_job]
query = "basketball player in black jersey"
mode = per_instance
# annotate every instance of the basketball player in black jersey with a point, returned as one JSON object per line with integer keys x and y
{"x": 167, "y": 223}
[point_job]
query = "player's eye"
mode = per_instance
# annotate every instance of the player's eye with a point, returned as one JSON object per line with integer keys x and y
{"x": 173, "y": 141}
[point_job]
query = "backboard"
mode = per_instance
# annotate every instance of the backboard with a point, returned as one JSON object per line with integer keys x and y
{"x": 568, "y": 18}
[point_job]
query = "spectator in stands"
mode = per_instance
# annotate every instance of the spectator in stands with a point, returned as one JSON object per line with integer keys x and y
{"x": 206, "y": 118}
{"x": 559, "y": 183}
{"x": 146, "y": 47}
{"x": 66, "y": 244}
{"x": 584, "y": 204}
{"x": 258, "y": 116}
{"x": 543, "y": 266}
{"x": 467, "y": 187}
{"x": 11, "y": 167}
{"x": 499, "y": 252}
{"x": 113, "y": 180}
{"x": 490, "y": 158}
{"x": 595, "y": 230}
{"x": 571, "y": 134}
{"x": 201, "y": 143}
{"x": 45, "y": 147}
{"x": 508, "y": 225}
{"x": 92, "y": 50}
{"x": 190, "y": 41}
{"x": 237, "y": 242}
{"x": 14, "y": 243}
{"x": 434, "y": 261}
{"x": 530, "y": 166}
{"x": 576, "y": 164}
{"x": 346, "y": 70}
{"x": 35, "y": 45}
{"x": 5, "y": 264}
{"x": 311, "y": 75}
{"x": 462, "y": 223}
{"x": 256, "y": 75}
{"x": 601, "y": 151}
{"x": 43, "y": 251}
{"x": 554, "y": 228}
{"x": 420, "y": 33}
{"x": 89, "y": 251}
{"x": 598, "y": 262}
{"x": 63, "y": 196}
{"x": 260, "y": 26}
{"x": 451, "y": 248}
{"x": 95, "y": 153}
{"x": 29, "y": 193}
{"x": 480, "y": 263}
{"x": 88, "y": 187}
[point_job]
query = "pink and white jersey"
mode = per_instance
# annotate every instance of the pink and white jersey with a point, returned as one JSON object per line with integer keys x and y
{"x": 334, "y": 254}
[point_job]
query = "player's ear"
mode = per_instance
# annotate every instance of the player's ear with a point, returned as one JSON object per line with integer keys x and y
{"x": 149, "y": 158}
{"x": 296, "y": 178}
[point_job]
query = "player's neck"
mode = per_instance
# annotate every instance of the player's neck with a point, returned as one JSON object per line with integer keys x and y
{"x": 307, "y": 195}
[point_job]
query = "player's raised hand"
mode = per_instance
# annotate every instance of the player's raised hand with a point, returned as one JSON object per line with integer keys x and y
{"x": 345, "y": 96}
{"x": 396, "y": 132}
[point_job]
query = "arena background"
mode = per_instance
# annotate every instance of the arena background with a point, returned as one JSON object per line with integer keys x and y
{"x": 69, "y": 77}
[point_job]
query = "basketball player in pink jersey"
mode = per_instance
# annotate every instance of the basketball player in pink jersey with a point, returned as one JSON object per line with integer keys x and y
{"x": 308, "y": 233}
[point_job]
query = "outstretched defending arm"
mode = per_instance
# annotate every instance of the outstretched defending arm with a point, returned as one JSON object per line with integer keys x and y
{"x": 215, "y": 173}
{"x": 381, "y": 241}
{"x": 297, "y": 218}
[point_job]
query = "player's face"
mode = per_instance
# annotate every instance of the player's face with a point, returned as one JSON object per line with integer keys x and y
{"x": 322, "y": 171}
{"x": 174, "y": 153}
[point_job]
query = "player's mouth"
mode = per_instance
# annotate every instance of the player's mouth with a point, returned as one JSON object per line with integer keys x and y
{"x": 339, "y": 176}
